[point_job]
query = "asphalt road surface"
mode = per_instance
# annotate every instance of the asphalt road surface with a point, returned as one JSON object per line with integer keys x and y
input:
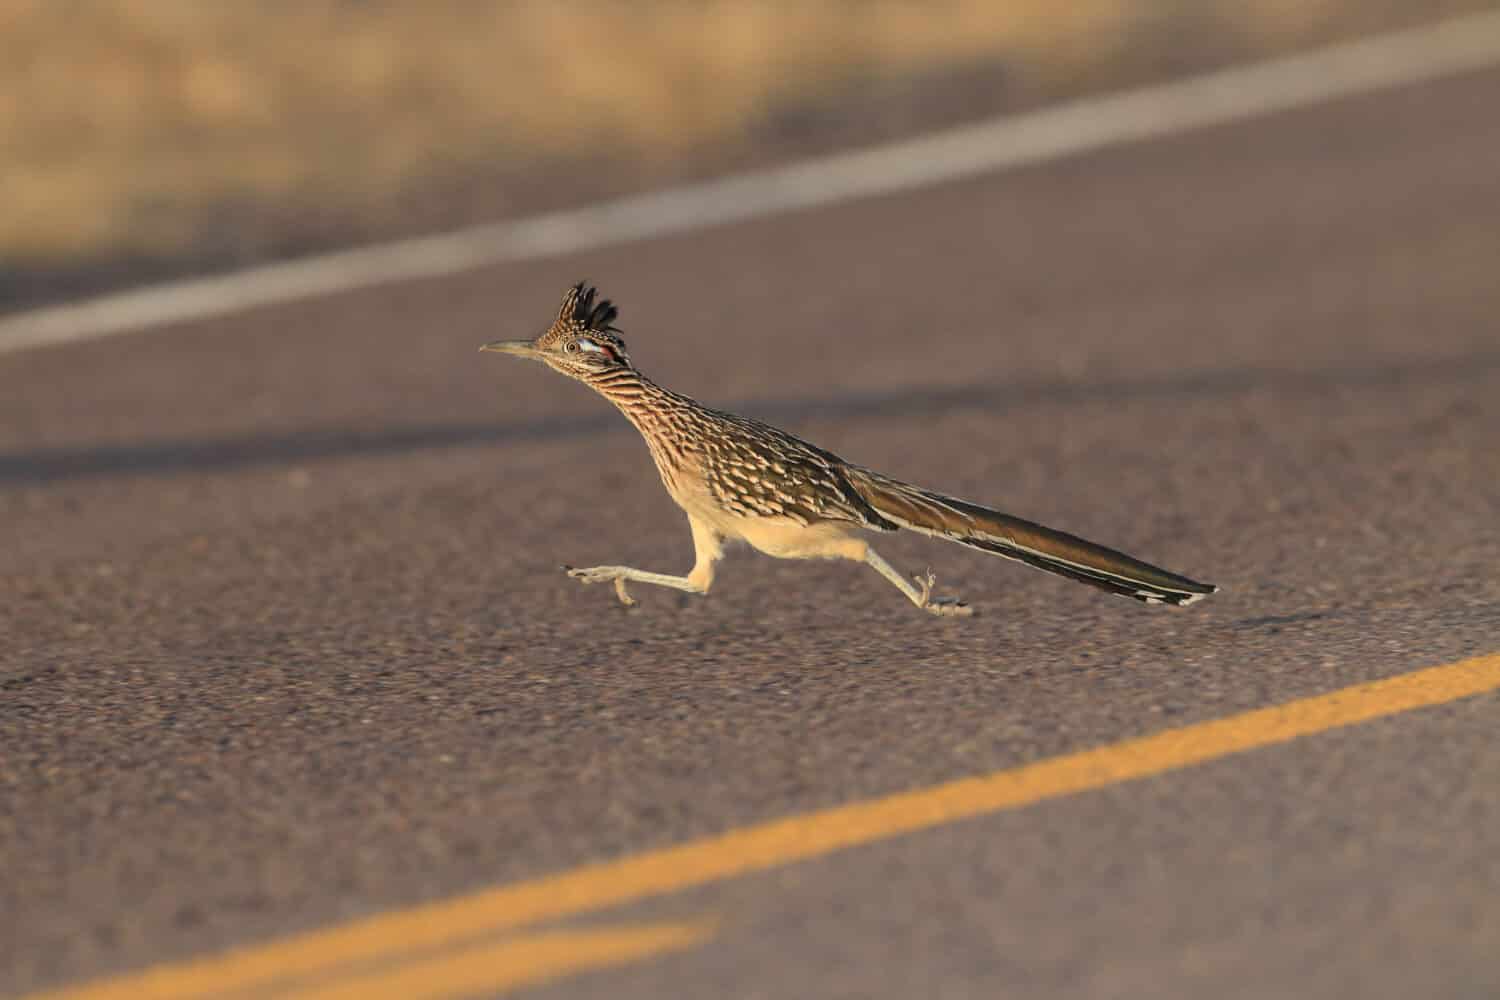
{"x": 286, "y": 645}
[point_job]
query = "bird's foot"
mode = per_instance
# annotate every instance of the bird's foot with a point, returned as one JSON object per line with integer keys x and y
{"x": 604, "y": 574}
{"x": 943, "y": 607}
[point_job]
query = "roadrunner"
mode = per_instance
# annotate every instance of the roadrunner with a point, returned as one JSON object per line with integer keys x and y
{"x": 740, "y": 479}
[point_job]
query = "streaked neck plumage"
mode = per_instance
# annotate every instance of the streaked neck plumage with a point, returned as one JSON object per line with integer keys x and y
{"x": 664, "y": 418}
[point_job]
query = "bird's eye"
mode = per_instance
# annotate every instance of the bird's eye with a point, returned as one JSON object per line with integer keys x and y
{"x": 571, "y": 347}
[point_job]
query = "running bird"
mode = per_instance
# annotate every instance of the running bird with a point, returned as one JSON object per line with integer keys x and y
{"x": 740, "y": 479}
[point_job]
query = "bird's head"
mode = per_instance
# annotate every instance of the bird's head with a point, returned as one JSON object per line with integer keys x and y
{"x": 581, "y": 343}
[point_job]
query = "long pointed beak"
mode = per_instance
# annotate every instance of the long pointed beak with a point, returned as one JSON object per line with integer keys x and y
{"x": 523, "y": 348}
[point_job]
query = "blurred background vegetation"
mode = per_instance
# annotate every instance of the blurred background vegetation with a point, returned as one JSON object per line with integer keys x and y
{"x": 159, "y": 136}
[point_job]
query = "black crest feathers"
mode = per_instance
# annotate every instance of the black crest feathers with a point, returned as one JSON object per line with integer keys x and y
{"x": 579, "y": 307}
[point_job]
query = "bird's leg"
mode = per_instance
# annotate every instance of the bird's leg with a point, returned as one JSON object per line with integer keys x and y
{"x": 707, "y": 548}
{"x": 921, "y": 595}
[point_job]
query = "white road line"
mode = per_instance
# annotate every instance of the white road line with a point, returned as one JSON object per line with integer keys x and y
{"x": 1448, "y": 47}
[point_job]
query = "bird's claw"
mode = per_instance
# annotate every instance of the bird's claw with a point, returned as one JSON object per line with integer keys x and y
{"x": 603, "y": 574}
{"x": 925, "y": 581}
{"x": 943, "y": 607}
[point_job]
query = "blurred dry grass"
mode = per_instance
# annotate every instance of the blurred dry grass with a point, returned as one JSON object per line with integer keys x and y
{"x": 128, "y": 125}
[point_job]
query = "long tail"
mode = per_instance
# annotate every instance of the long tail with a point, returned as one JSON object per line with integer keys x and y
{"x": 1054, "y": 551}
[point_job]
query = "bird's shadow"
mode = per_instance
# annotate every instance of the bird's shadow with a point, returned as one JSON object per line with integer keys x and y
{"x": 172, "y": 456}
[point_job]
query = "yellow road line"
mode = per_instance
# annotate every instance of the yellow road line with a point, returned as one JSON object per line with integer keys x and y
{"x": 514, "y": 962}
{"x": 780, "y": 842}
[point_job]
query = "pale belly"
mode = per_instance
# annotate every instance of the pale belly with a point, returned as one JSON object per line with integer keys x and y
{"x": 782, "y": 537}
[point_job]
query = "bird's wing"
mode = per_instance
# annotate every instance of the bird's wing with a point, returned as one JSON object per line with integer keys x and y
{"x": 767, "y": 472}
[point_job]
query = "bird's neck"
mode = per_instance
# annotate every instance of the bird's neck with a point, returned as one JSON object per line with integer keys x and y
{"x": 633, "y": 393}
{"x": 662, "y": 417}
